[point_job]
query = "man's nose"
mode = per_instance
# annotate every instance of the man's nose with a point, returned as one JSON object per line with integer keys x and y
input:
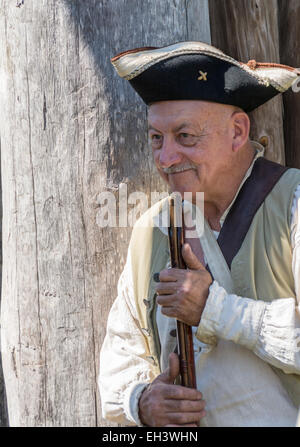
{"x": 169, "y": 154}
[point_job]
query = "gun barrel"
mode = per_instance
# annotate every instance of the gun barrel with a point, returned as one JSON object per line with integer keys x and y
{"x": 184, "y": 331}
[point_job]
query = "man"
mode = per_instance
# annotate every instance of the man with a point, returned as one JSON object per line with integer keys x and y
{"x": 244, "y": 306}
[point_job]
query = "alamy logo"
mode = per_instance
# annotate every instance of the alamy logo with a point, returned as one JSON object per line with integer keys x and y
{"x": 123, "y": 210}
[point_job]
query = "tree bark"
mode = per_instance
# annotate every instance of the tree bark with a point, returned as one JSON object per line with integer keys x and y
{"x": 248, "y": 29}
{"x": 72, "y": 130}
{"x": 289, "y": 32}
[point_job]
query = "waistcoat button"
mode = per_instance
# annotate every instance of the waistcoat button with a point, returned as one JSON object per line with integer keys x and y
{"x": 146, "y": 302}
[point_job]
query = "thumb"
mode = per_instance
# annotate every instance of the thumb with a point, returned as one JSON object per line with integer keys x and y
{"x": 191, "y": 260}
{"x": 170, "y": 374}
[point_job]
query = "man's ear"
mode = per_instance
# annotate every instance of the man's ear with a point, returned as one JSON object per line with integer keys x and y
{"x": 241, "y": 129}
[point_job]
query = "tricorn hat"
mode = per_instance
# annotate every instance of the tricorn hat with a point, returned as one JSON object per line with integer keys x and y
{"x": 196, "y": 70}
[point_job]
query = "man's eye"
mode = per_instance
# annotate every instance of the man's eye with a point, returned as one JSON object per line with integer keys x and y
{"x": 156, "y": 140}
{"x": 186, "y": 138}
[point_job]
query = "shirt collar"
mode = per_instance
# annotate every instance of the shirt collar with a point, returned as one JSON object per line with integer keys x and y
{"x": 259, "y": 153}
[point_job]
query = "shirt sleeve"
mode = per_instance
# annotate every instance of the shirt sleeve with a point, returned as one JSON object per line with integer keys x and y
{"x": 125, "y": 370}
{"x": 270, "y": 329}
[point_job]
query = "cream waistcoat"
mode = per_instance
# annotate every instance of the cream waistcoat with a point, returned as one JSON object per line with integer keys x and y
{"x": 260, "y": 270}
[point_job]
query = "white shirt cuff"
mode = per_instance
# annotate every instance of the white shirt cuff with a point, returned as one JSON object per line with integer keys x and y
{"x": 230, "y": 317}
{"x": 131, "y": 401}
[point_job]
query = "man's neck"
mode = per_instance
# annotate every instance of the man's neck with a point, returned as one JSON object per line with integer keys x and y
{"x": 215, "y": 206}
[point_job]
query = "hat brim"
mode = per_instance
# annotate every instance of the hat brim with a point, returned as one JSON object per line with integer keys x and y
{"x": 199, "y": 71}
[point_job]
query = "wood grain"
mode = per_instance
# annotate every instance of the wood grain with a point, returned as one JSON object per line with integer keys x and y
{"x": 248, "y": 29}
{"x": 289, "y": 33}
{"x": 3, "y": 403}
{"x": 72, "y": 130}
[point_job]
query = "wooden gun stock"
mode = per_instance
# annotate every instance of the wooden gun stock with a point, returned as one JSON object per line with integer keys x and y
{"x": 184, "y": 331}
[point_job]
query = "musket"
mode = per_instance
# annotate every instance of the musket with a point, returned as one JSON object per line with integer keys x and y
{"x": 184, "y": 331}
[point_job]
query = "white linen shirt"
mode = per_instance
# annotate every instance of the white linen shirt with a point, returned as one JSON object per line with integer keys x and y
{"x": 239, "y": 386}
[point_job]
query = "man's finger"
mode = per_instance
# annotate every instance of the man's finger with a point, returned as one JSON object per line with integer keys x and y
{"x": 172, "y": 371}
{"x": 191, "y": 259}
{"x": 178, "y": 392}
{"x": 183, "y": 406}
{"x": 166, "y": 288}
{"x": 185, "y": 418}
{"x": 168, "y": 300}
{"x": 173, "y": 367}
{"x": 171, "y": 275}
{"x": 185, "y": 393}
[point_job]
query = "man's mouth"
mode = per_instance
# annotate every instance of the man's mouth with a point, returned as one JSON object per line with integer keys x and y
{"x": 175, "y": 169}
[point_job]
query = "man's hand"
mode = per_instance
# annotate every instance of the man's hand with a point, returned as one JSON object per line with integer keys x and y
{"x": 164, "y": 404}
{"x": 183, "y": 293}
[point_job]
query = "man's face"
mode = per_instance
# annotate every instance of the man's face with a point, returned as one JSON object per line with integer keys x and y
{"x": 192, "y": 144}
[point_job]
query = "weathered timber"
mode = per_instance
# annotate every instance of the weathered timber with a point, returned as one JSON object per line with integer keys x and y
{"x": 289, "y": 34}
{"x": 3, "y": 403}
{"x": 71, "y": 130}
{"x": 248, "y": 29}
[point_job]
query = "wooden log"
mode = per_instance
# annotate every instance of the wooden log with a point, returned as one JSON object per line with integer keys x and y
{"x": 3, "y": 403}
{"x": 248, "y": 29}
{"x": 72, "y": 130}
{"x": 289, "y": 34}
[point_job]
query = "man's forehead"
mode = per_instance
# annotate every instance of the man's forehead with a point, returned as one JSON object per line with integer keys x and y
{"x": 183, "y": 113}
{"x": 175, "y": 126}
{"x": 187, "y": 106}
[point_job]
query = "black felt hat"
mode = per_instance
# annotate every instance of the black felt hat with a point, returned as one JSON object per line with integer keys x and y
{"x": 196, "y": 70}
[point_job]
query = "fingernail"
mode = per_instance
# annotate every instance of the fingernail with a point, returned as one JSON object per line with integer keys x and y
{"x": 156, "y": 277}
